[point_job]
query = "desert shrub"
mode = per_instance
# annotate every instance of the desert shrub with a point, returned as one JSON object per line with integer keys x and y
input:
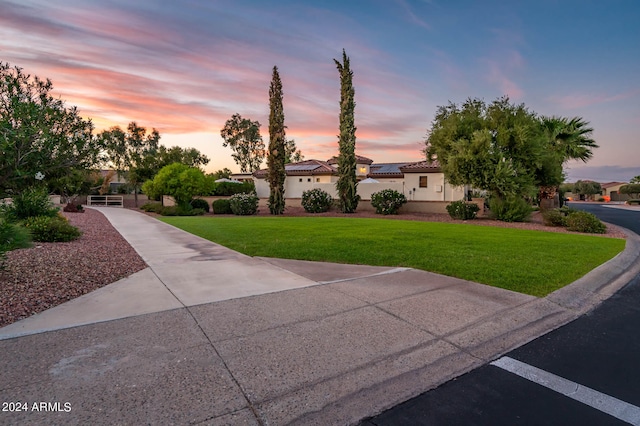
{"x": 244, "y": 204}
{"x": 554, "y": 217}
{"x": 510, "y": 210}
{"x": 581, "y": 221}
{"x": 73, "y": 208}
{"x": 221, "y": 206}
{"x": 633, "y": 202}
{"x": 463, "y": 210}
{"x": 199, "y": 203}
{"x": 51, "y": 229}
{"x": 387, "y": 201}
{"x": 31, "y": 202}
{"x": 316, "y": 201}
{"x": 152, "y": 207}
{"x": 12, "y": 236}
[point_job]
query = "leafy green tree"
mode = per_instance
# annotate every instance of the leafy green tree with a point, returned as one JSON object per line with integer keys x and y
{"x": 132, "y": 152}
{"x": 178, "y": 181}
{"x": 243, "y": 137}
{"x": 633, "y": 189}
{"x": 188, "y": 156}
{"x": 496, "y": 147}
{"x": 276, "y": 159}
{"x": 347, "y": 183}
{"x": 222, "y": 173}
{"x": 587, "y": 188}
{"x": 635, "y": 179}
{"x": 292, "y": 153}
{"x": 38, "y": 133}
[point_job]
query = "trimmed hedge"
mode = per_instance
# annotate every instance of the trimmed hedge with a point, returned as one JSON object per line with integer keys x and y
{"x": 199, "y": 203}
{"x": 222, "y": 206}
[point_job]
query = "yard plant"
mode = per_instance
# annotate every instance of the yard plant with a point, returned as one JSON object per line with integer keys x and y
{"x": 531, "y": 262}
{"x": 387, "y": 201}
{"x": 462, "y": 210}
{"x": 316, "y": 201}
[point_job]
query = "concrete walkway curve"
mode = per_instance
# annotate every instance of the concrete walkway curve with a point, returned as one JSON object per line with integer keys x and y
{"x": 206, "y": 335}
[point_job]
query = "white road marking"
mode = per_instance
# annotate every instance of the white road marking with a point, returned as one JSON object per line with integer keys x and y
{"x": 598, "y": 400}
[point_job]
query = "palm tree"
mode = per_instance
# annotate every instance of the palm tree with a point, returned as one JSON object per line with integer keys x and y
{"x": 568, "y": 139}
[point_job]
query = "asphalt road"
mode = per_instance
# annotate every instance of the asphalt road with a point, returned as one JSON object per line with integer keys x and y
{"x": 585, "y": 373}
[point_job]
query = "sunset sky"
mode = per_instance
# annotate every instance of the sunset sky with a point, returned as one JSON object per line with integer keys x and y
{"x": 185, "y": 67}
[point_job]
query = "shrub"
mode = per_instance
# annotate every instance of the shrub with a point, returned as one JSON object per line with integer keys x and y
{"x": 32, "y": 202}
{"x": 244, "y": 204}
{"x": 181, "y": 210}
{"x": 226, "y": 189}
{"x": 510, "y": 209}
{"x": 387, "y": 201}
{"x": 463, "y": 210}
{"x": 633, "y": 202}
{"x": 152, "y": 207}
{"x": 73, "y": 208}
{"x": 51, "y": 229}
{"x": 222, "y": 207}
{"x": 12, "y": 236}
{"x": 581, "y": 221}
{"x": 199, "y": 203}
{"x": 316, "y": 201}
{"x": 554, "y": 217}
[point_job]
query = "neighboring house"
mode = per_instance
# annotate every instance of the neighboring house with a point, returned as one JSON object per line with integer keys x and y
{"x": 117, "y": 180}
{"x": 418, "y": 181}
{"x": 612, "y": 189}
{"x": 241, "y": 177}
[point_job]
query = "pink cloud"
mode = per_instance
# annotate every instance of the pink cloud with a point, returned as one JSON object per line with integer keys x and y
{"x": 581, "y": 100}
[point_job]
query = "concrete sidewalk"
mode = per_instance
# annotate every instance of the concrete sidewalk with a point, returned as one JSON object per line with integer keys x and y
{"x": 207, "y": 335}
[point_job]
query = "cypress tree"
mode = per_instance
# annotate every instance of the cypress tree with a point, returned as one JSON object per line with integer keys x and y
{"x": 276, "y": 158}
{"x": 347, "y": 183}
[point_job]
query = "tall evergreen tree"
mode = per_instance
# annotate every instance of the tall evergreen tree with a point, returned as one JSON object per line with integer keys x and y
{"x": 277, "y": 141}
{"x": 347, "y": 183}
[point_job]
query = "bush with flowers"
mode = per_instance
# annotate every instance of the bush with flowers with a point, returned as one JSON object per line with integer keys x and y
{"x": 316, "y": 201}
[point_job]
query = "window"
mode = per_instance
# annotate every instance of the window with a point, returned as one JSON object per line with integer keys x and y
{"x": 423, "y": 182}
{"x": 317, "y": 179}
{"x": 308, "y": 179}
{"x": 300, "y": 180}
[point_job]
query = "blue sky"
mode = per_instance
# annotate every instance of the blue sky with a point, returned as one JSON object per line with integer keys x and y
{"x": 186, "y": 67}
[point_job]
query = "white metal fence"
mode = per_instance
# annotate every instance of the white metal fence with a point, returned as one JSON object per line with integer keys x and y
{"x": 105, "y": 200}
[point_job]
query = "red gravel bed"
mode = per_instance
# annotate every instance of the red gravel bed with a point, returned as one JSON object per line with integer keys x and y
{"x": 48, "y": 274}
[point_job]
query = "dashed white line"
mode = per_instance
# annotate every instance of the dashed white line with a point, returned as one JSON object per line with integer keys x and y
{"x": 598, "y": 400}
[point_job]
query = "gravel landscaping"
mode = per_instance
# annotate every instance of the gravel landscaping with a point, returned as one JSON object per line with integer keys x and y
{"x": 48, "y": 274}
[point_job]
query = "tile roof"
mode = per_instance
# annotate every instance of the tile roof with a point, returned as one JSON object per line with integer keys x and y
{"x": 610, "y": 184}
{"x": 359, "y": 159}
{"x": 421, "y": 167}
{"x": 302, "y": 168}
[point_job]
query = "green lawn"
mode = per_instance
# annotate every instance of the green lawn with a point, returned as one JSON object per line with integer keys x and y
{"x": 530, "y": 262}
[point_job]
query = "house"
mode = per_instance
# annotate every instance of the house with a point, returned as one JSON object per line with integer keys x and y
{"x": 418, "y": 181}
{"x": 612, "y": 190}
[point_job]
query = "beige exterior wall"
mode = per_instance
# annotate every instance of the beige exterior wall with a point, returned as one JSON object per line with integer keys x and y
{"x": 436, "y": 190}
